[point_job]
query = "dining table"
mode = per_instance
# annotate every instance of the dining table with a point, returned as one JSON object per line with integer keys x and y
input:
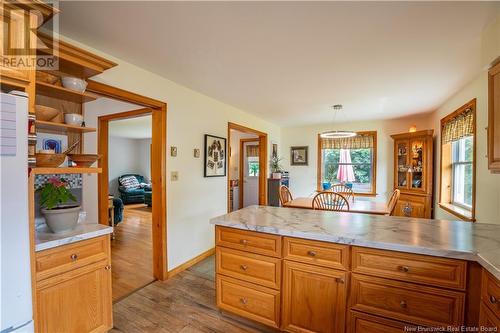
{"x": 362, "y": 205}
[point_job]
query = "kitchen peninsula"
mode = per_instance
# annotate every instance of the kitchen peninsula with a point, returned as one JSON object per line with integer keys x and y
{"x": 305, "y": 270}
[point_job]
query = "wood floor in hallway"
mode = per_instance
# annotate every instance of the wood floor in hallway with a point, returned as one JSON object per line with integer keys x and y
{"x": 183, "y": 304}
{"x": 132, "y": 251}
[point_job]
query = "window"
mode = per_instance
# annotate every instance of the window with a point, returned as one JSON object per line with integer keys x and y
{"x": 461, "y": 166}
{"x": 350, "y": 161}
{"x": 458, "y": 163}
{"x": 253, "y": 166}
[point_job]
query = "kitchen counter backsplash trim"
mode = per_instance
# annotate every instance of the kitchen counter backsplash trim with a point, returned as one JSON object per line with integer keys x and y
{"x": 450, "y": 239}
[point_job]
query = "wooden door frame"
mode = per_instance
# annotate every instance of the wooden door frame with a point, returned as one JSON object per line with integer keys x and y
{"x": 158, "y": 110}
{"x": 262, "y": 138}
{"x": 241, "y": 167}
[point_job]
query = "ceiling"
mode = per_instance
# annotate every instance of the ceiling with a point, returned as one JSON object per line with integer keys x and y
{"x": 288, "y": 62}
{"x": 131, "y": 128}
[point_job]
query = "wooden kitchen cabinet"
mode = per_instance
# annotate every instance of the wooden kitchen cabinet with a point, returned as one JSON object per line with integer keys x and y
{"x": 413, "y": 172}
{"x": 73, "y": 289}
{"x": 314, "y": 298}
{"x": 494, "y": 118}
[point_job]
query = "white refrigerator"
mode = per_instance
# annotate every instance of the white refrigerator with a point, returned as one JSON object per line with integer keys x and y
{"x": 15, "y": 293}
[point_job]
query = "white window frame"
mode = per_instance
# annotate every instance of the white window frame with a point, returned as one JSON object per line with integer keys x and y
{"x": 458, "y": 147}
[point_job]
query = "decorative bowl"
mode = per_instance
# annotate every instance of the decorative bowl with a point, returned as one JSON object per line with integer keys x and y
{"x": 73, "y": 83}
{"x": 84, "y": 160}
{"x": 73, "y": 119}
{"x": 45, "y": 113}
{"x": 49, "y": 160}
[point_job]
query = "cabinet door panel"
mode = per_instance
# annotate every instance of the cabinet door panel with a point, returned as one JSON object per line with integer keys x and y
{"x": 314, "y": 298}
{"x": 77, "y": 301}
{"x": 494, "y": 119}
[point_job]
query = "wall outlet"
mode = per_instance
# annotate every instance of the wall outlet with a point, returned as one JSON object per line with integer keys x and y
{"x": 174, "y": 176}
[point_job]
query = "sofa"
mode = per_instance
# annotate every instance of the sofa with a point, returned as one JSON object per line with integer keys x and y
{"x": 133, "y": 195}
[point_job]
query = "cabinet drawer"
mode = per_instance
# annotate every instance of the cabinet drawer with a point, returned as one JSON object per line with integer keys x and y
{"x": 317, "y": 253}
{"x": 448, "y": 273}
{"x": 490, "y": 292}
{"x": 248, "y": 300}
{"x": 61, "y": 259}
{"x": 488, "y": 319}
{"x": 407, "y": 301}
{"x": 262, "y": 270}
{"x": 364, "y": 323}
{"x": 250, "y": 241}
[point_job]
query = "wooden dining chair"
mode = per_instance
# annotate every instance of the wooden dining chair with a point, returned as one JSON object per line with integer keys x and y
{"x": 329, "y": 200}
{"x": 344, "y": 190}
{"x": 285, "y": 195}
{"x": 391, "y": 206}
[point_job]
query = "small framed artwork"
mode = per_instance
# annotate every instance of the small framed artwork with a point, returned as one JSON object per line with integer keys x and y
{"x": 215, "y": 156}
{"x": 299, "y": 155}
{"x": 275, "y": 150}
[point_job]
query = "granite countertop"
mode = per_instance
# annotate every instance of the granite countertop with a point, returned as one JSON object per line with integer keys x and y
{"x": 44, "y": 239}
{"x": 450, "y": 239}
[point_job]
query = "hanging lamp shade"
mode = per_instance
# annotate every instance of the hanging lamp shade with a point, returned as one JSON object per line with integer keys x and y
{"x": 337, "y": 134}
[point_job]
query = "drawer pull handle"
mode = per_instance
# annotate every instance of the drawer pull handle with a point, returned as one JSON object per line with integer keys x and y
{"x": 403, "y": 304}
{"x": 405, "y": 269}
{"x": 243, "y": 300}
{"x": 74, "y": 256}
{"x": 339, "y": 280}
{"x": 311, "y": 253}
{"x": 107, "y": 267}
{"x": 244, "y": 267}
{"x": 493, "y": 299}
{"x": 243, "y": 241}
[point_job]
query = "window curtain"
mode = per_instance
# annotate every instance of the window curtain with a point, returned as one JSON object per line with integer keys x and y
{"x": 252, "y": 150}
{"x": 357, "y": 142}
{"x": 458, "y": 127}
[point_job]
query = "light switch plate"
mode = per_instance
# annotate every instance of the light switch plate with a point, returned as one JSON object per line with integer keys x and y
{"x": 173, "y": 151}
{"x": 174, "y": 176}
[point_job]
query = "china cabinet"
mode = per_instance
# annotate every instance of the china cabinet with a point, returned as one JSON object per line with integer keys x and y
{"x": 413, "y": 169}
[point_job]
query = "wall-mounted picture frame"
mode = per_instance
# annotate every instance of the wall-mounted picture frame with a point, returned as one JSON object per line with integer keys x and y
{"x": 215, "y": 156}
{"x": 275, "y": 150}
{"x": 299, "y": 155}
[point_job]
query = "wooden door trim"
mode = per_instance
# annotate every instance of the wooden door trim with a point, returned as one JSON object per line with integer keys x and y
{"x": 158, "y": 110}
{"x": 262, "y": 138}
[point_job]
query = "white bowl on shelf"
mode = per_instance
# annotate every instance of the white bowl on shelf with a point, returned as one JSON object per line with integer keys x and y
{"x": 74, "y": 83}
{"x": 73, "y": 119}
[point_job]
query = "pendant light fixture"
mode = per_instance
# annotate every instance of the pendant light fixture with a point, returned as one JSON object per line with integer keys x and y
{"x": 337, "y": 134}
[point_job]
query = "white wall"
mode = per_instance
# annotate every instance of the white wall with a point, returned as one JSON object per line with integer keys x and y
{"x": 193, "y": 199}
{"x": 144, "y": 156}
{"x": 303, "y": 178}
{"x": 127, "y": 156}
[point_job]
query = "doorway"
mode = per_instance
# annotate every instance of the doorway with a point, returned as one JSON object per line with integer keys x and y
{"x": 247, "y": 168}
{"x": 131, "y": 191}
{"x": 157, "y": 110}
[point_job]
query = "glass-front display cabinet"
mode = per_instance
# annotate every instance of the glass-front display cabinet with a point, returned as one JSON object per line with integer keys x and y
{"x": 413, "y": 173}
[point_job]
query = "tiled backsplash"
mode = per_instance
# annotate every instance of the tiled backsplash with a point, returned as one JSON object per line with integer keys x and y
{"x": 74, "y": 180}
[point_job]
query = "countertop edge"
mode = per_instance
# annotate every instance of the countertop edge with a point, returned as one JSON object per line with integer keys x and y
{"x": 453, "y": 254}
{"x": 45, "y": 245}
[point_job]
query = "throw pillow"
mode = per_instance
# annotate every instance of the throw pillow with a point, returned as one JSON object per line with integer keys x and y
{"x": 130, "y": 182}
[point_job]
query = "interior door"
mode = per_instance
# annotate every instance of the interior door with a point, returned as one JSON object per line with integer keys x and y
{"x": 250, "y": 176}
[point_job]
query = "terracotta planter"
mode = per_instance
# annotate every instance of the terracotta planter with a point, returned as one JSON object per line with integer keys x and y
{"x": 61, "y": 219}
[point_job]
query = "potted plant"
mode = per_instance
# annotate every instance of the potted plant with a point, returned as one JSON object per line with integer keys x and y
{"x": 275, "y": 166}
{"x": 54, "y": 196}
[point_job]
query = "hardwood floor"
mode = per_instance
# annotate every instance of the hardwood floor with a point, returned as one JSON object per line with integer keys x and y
{"x": 132, "y": 251}
{"x": 183, "y": 304}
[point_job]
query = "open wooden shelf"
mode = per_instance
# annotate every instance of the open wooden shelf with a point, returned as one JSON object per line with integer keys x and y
{"x": 50, "y": 90}
{"x": 52, "y": 127}
{"x": 63, "y": 170}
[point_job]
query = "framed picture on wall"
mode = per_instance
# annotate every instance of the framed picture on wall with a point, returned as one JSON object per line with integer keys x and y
{"x": 215, "y": 156}
{"x": 299, "y": 155}
{"x": 275, "y": 150}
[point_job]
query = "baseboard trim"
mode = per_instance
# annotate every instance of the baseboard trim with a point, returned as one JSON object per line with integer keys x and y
{"x": 190, "y": 263}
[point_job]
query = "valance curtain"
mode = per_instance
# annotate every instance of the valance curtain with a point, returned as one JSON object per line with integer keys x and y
{"x": 357, "y": 142}
{"x": 252, "y": 150}
{"x": 458, "y": 127}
